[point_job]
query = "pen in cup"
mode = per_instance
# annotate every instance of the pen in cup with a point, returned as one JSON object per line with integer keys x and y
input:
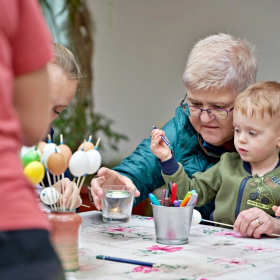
{"x": 165, "y": 140}
{"x": 192, "y": 199}
{"x": 154, "y": 199}
{"x": 174, "y": 192}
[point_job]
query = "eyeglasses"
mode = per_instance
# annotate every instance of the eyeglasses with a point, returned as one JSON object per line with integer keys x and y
{"x": 193, "y": 111}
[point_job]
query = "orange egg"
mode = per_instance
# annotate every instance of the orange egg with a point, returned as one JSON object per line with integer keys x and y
{"x": 66, "y": 151}
{"x": 87, "y": 146}
{"x": 57, "y": 163}
{"x": 41, "y": 146}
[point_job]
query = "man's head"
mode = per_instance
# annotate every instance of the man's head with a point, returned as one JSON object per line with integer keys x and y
{"x": 218, "y": 68}
{"x": 256, "y": 123}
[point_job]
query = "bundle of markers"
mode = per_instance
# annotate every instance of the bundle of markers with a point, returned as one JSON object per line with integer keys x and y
{"x": 169, "y": 197}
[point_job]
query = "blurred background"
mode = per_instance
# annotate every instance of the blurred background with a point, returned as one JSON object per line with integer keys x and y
{"x": 133, "y": 54}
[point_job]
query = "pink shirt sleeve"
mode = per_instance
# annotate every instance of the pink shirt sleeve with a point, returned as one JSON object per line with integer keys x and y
{"x": 31, "y": 43}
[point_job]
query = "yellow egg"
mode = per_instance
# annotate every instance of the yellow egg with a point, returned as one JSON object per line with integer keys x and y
{"x": 65, "y": 150}
{"x": 87, "y": 146}
{"x": 35, "y": 172}
{"x": 57, "y": 163}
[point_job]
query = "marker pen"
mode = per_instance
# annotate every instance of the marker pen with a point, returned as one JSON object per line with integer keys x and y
{"x": 165, "y": 140}
{"x": 174, "y": 193}
{"x": 192, "y": 200}
{"x": 154, "y": 199}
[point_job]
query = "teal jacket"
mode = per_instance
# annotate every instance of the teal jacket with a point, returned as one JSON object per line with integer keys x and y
{"x": 143, "y": 167}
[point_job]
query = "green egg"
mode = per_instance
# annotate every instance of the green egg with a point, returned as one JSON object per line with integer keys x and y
{"x": 29, "y": 157}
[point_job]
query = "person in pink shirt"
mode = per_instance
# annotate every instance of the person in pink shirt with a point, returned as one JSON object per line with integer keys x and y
{"x": 25, "y": 43}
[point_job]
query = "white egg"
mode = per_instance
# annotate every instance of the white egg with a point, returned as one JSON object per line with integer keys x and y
{"x": 79, "y": 163}
{"x": 49, "y": 149}
{"x": 94, "y": 159}
{"x": 49, "y": 195}
{"x": 196, "y": 219}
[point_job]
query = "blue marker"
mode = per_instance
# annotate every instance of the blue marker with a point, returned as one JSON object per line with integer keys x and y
{"x": 192, "y": 200}
{"x": 165, "y": 140}
{"x": 154, "y": 199}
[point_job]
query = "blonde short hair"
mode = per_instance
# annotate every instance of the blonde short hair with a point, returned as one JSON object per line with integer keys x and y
{"x": 221, "y": 61}
{"x": 64, "y": 59}
{"x": 260, "y": 98}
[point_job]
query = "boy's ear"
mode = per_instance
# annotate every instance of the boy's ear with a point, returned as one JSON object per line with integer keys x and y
{"x": 278, "y": 140}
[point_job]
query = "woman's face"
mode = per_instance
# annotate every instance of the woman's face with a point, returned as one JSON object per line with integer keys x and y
{"x": 62, "y": 90}
{"x": 215, "y": 132}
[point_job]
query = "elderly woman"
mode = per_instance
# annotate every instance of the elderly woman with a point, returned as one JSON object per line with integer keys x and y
{"x": 218, "y": 68}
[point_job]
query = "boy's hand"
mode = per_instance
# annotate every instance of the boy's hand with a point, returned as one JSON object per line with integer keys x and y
{"x": 158, "y": 147}
{"x": 276, "y": 209}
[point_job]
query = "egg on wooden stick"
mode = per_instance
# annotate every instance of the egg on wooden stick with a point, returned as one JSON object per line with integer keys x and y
{"x": 94, "y": 159}
{"x": 57, "y": 163}
{"x": 86, "y": 146}
{"x": 65, "y": 150}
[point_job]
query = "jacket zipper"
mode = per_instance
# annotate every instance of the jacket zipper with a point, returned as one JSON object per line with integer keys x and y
{"x": 240, "y": 195}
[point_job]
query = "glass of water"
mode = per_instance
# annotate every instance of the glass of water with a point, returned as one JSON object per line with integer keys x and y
{"x": 117, "y": 203}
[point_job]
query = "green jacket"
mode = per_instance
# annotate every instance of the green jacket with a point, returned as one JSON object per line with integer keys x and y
{"x": 232, "y": 185}
{"x": 143, "y": 168}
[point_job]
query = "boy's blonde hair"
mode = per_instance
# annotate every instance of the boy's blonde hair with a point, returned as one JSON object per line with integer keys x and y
{"x": 260, "y": 98}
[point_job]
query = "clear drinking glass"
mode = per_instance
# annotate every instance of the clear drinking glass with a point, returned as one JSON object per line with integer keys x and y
{"x": 117, "y": 203}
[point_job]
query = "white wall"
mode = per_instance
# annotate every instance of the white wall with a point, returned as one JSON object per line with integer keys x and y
{"x": 141, "y": 47}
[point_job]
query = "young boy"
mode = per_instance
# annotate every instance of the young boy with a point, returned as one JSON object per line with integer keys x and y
{"x": 239, "y": 181}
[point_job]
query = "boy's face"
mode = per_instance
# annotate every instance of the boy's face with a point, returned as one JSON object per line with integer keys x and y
{"x": 256, "y": 139}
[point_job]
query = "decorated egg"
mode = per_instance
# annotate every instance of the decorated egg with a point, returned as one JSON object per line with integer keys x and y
{"x": 30, "y": 156}
{"x": 41, "y": 146}
{"x": 49, "y": 149}
{"x": 49, "y": 195}
{"x": 66, "y": 151}
{"x": 94, "y": 159}
{"x": 87, "y": 146}
{"x": 196, "y": 219}
{"x": 78, "y": 164}
{"x": 35, "y": 172}
{"x": 57, "y": 163}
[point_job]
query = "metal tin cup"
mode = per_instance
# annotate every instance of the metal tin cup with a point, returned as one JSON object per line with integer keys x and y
{"x": 172, "y": 224}
{"x": 117, "y": 203}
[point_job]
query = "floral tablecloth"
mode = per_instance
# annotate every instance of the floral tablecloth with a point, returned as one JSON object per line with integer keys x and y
{"x": 212, "y": 253}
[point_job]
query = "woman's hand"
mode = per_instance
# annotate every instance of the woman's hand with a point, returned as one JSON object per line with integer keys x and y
{"x": 254, "y": 222}
{"x": 69, "y": 192}
{"x": 107, "y": 176}
{"x": 158, "y": 147}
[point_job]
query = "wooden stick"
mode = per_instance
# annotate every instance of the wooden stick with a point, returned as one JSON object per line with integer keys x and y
{"x": 97, "y": 143}
{"x": 50, "y": 184}
{"x": 78, "y": 182}
{"x": 73, "y": 195}
{"x": 231, "y": 226}
{"x": 63, "y": 204}
{"x": 82, "y": 182}
{"x": 202, "y": 220}
{"x": 85, "y": 205}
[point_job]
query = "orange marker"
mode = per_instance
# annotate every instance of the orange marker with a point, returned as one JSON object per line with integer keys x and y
{"x": 186, "y": 199}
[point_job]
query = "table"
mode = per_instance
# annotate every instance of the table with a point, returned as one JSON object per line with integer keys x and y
{"x": 212, "y": 253}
